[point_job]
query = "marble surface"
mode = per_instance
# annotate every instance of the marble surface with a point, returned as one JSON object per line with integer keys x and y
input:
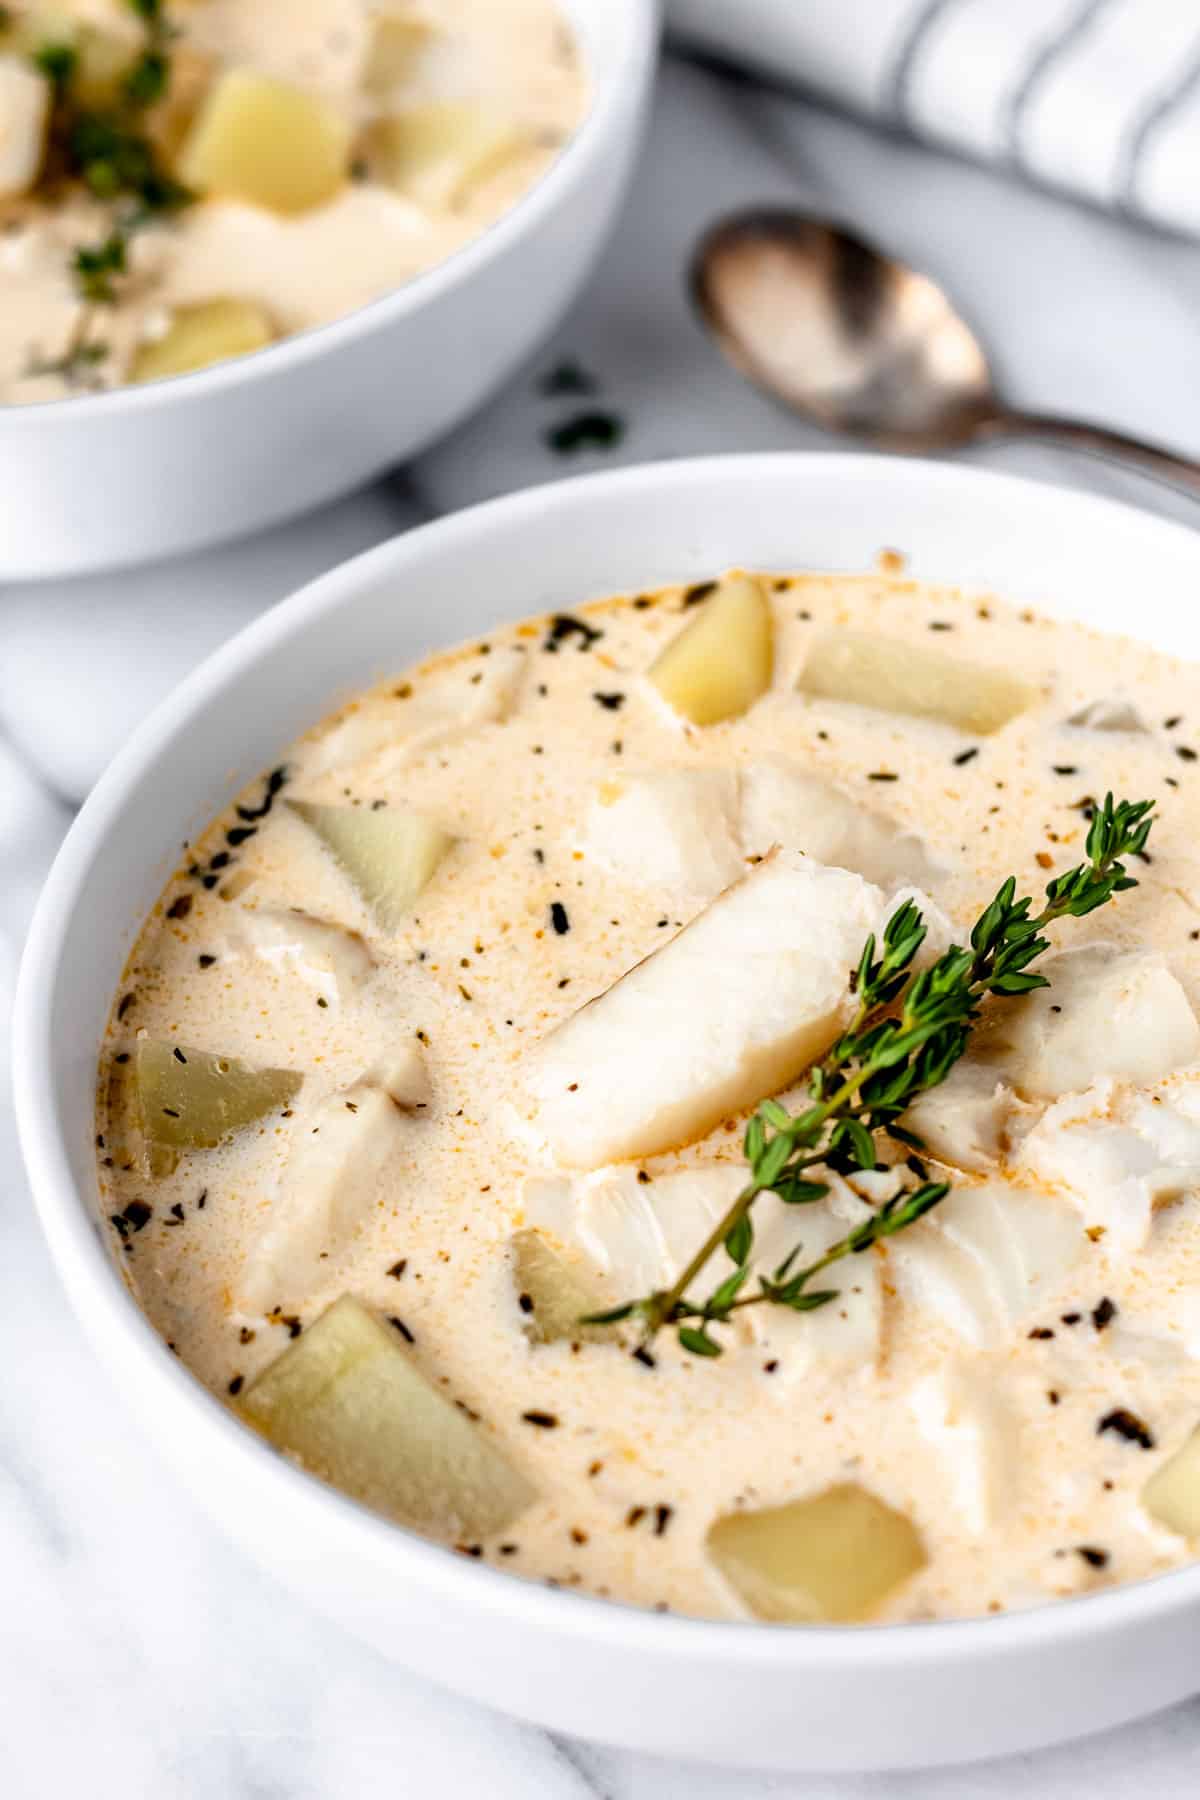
{"x": 139, "y": 1655}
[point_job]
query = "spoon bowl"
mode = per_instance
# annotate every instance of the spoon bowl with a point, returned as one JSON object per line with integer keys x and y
{"x": 860, "y": 344}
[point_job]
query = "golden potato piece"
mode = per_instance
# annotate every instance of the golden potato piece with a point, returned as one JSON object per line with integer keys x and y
{"x": 193, "y": 1100}
{"x": 389, "y": 855}
{"x": 200, "y": 335}
{"x": 829, "y": 1559}
{"x": 24, "y": 119}
{"x": 395, "y": 41}
{"x": 554, "y": 1294}
{"x": 268, "y": 143}
{"x": 437, "y": 152}
{"x": 890, "y": 675}
{"x": 346, "y": 1400}
{"x": 1172, "y": 1494}
{"x": 721, "y": 662}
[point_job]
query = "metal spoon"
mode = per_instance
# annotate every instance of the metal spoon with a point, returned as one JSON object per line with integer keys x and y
{"x": 862, "y": 345}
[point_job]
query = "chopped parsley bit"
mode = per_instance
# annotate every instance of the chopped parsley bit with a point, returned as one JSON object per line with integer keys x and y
{"x": 642, "y": 602}
{"x": 1041, "y": 1331}
{"x": 1171, "y": 723}
{"x": 1095, "y": 1559}
{"x": 525, "y": 1302}
{"x": 565, "y": 625}
{"x": 397, "y": 1269}
{"x": 1071, "y": 1318}
{"x": 662, "y": 1518}
{"x": 610, "y": 702}
{"x": 1104, "y": 1314}
{"x": 567, "y": 377}
{"x": 402, "y": 1328}
{"x": 698, "y": 592}
{"x": 634, "y": 1516}
{"x": 127, "y": 1001}
{"x": 275, "y": 781}
{"x": 545, "y": 1420}
{"x": 882, "y": 775}
{"x": 1186, "y": 752}
{"x": 1065, "y": 769}
{"x": 135, "y": 1217}
{"x": 966, "y": 756}
{"x": 1126, "y": 1425}
{"x": 235, "y": 1386}
{"x": 245, "y": 1335}
{"x": 558, "y": 918}
{"x": 940, "y": 625}
{"x": 586, "y": 431}
{"x": 180, "y": 908}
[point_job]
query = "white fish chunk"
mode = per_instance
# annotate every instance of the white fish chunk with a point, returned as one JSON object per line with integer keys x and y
{"x": 478, "y": 693}
{"x": 326, "y": 1191}
{"x": 782, "y": 803}
{"x": 1112, "y": 713}
{"x": 964, "y": 1122}
{"x": 1105, "y": 1013}
{"x": 331, "y": 959}
{"x": 1118, "y": 1157}
{"x": 668, "y": 828}
{"x": 404, "y": 1077}
{"x": 638, "y": 1235}
{"x": 986, "y": 1257}
{"x": 730, "y": 1010}
{"x": 974, "y": 1436}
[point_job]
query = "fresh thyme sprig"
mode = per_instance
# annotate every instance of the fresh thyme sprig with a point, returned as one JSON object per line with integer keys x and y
{"x": 909, "y": 1029}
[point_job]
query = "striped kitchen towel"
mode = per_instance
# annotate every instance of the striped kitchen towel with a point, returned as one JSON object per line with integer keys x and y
{"x": 1101, "y": 97}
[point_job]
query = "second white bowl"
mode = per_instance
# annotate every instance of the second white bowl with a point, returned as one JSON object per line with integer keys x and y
{"x": 143, "y": 472}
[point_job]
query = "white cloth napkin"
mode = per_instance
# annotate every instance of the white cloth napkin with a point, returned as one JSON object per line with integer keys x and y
{"x": 1101, "y": 97}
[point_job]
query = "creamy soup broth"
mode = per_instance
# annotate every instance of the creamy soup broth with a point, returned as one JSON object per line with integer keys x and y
{"x": 1013, "y": 1426}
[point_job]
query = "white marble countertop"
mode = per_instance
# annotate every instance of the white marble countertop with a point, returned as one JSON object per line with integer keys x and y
{"x": 139, "y": 1655}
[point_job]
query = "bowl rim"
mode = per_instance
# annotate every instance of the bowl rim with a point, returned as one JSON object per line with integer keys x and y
{"x": 107, "y": 1307}
{"x": 606, "y": 101}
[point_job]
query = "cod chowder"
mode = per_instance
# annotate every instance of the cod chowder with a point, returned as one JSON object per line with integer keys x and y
{"x": 697, "y": 1100}
{"x": 183, "y": 181}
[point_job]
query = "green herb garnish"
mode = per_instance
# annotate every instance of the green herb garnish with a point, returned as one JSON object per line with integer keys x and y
{"x": 909, "y": 1030}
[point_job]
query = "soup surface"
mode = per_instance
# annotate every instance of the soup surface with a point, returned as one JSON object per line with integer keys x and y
{"x": 353, "y": 1065}
{"x": 186, "y": 180}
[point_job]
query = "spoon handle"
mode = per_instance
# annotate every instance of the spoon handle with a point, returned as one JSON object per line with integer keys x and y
{"x": 1178, "y": 472}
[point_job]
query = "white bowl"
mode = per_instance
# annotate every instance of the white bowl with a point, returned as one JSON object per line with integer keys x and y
{"x": 777, "y": 1697}
{"x": 142, "y": 472}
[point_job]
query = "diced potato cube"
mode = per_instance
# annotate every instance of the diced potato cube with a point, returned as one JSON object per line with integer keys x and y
{"x": 395, "y": 40}
{"x": 890, "y": 675}
{"x": 349, "y": 1404}
{"x": 389, "y": 855}
{"x": 24, "y": 117}
{"x": 832, "y": 1558}
{"x": 268, "y": 143}
{"x": 1172, "y": 1494}
{"x": 721, "y": 662}
{"x": 554, "y": 1294}
{"x": 193, "y": 1100}
{"x": 209, "y": 332}
{"x": 436, "y": 153}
